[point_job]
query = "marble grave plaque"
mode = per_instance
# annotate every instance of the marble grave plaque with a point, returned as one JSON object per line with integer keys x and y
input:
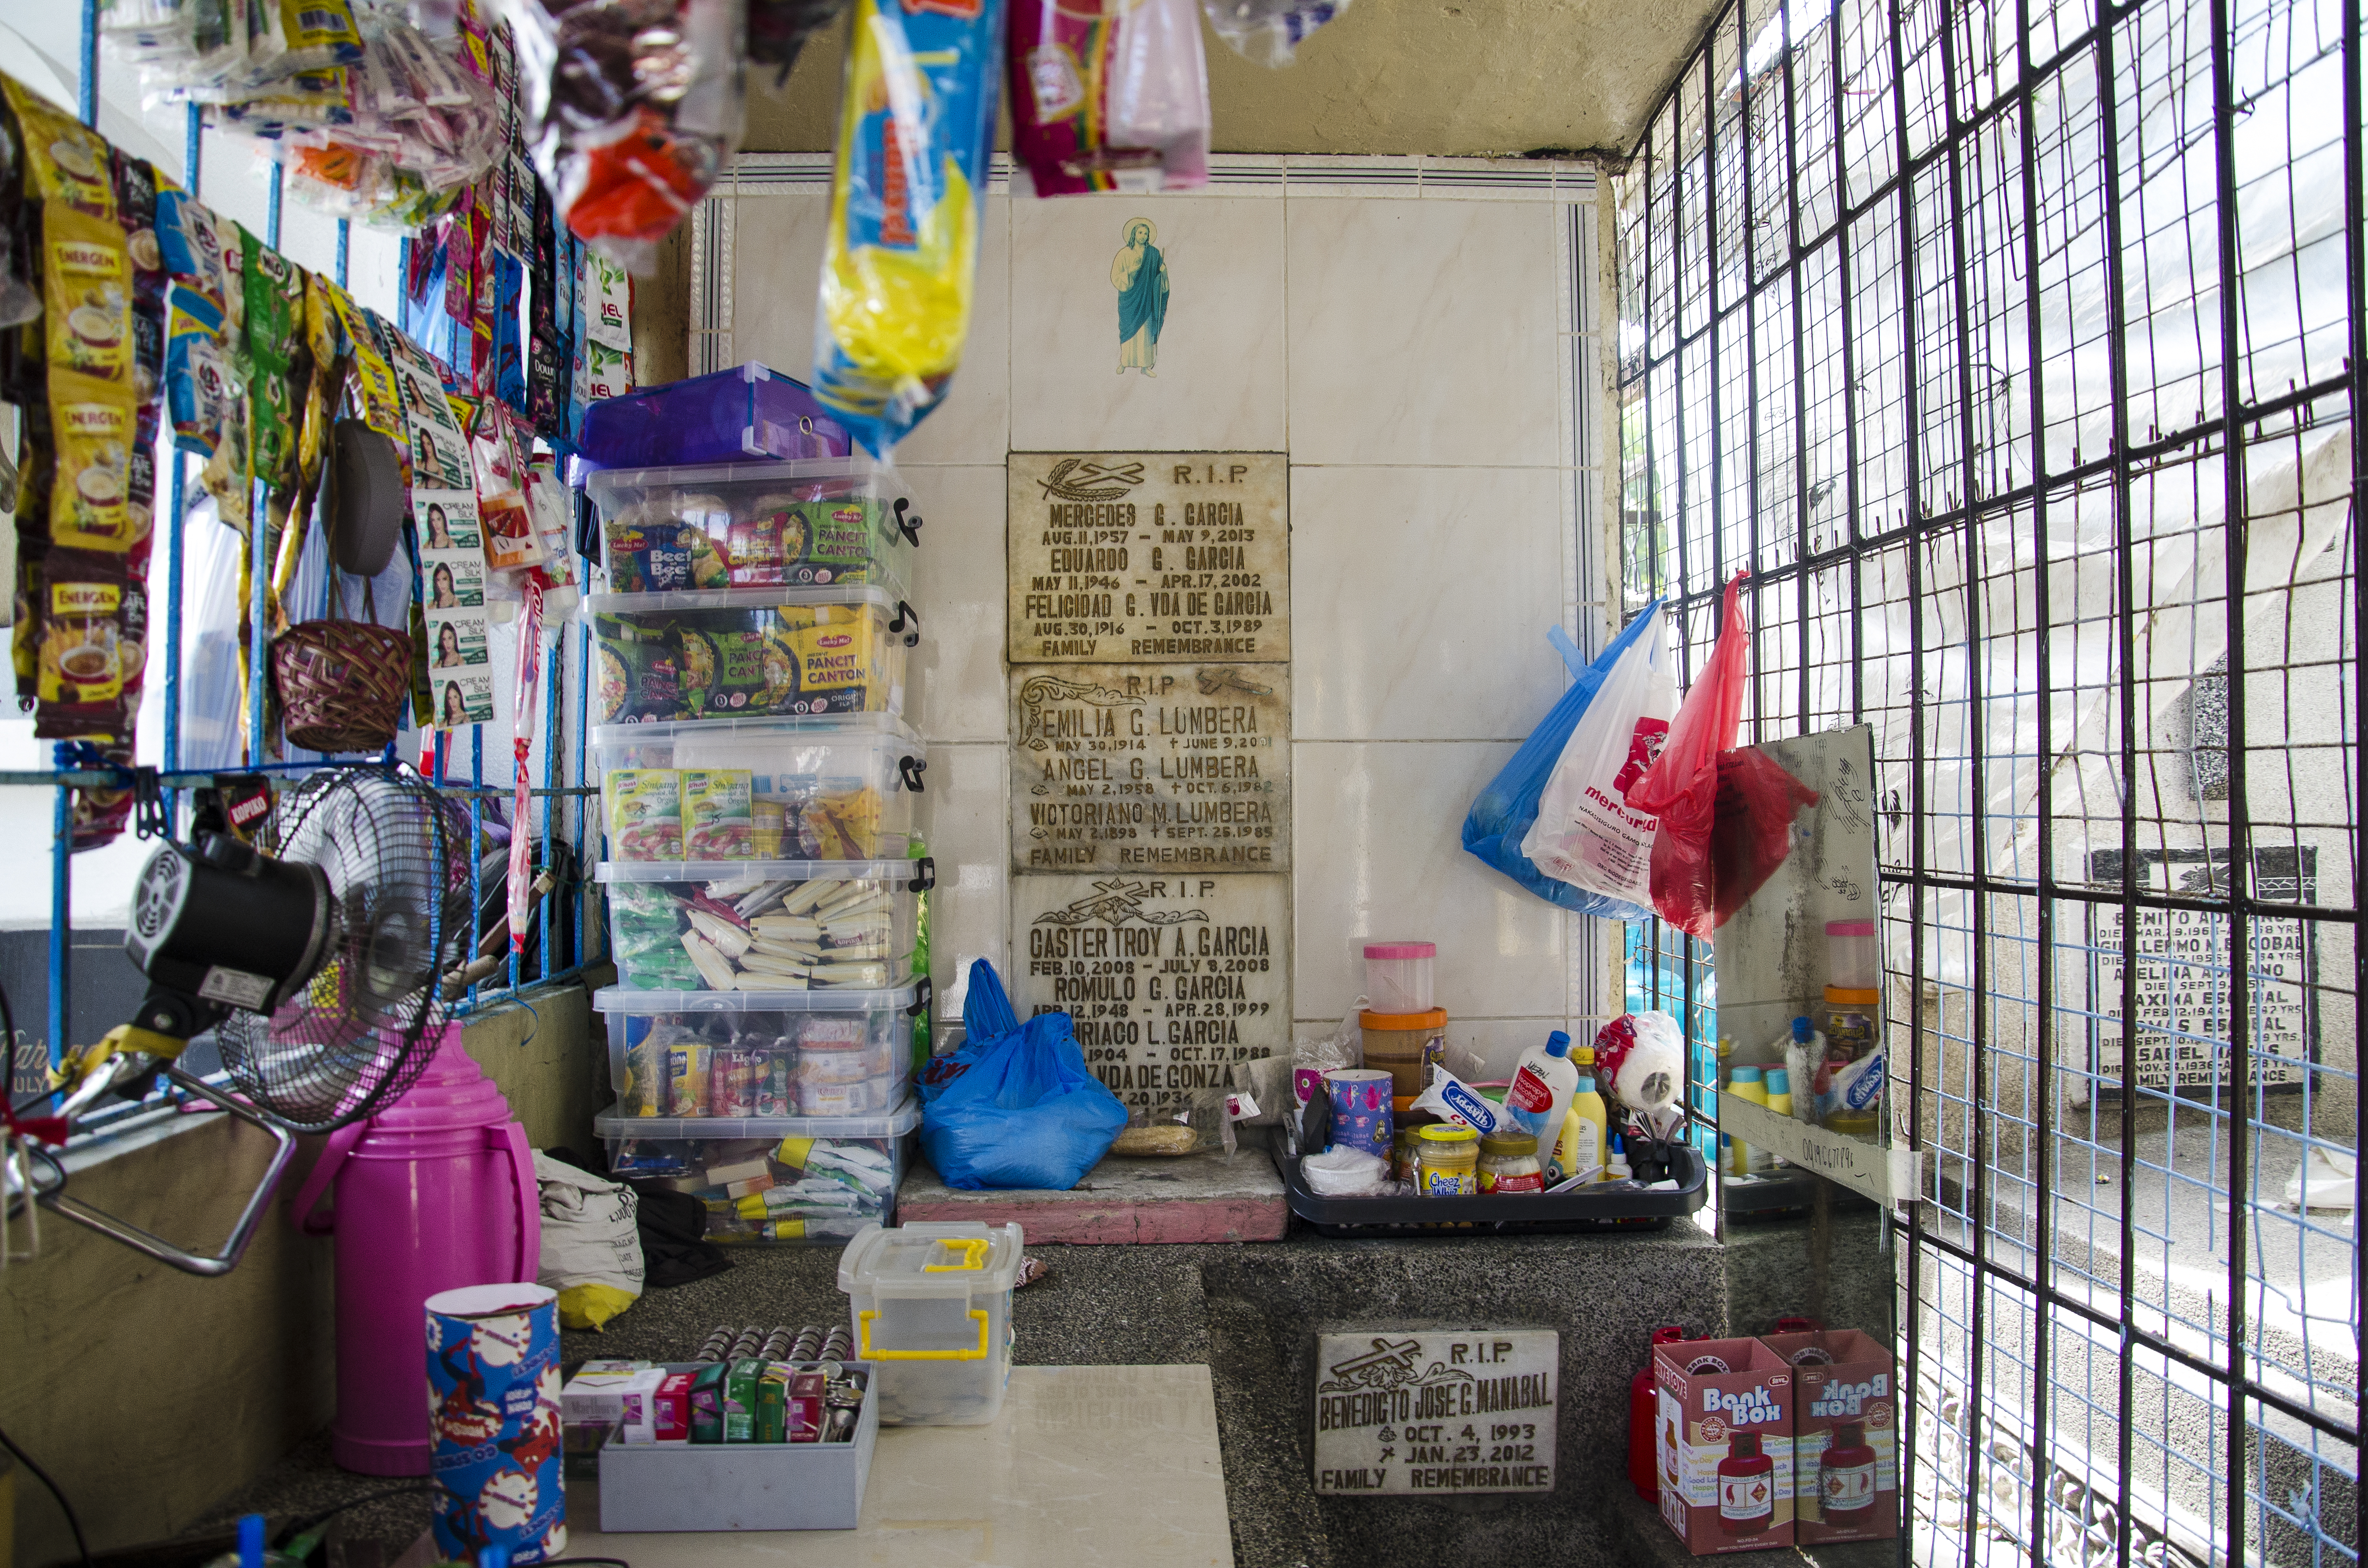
{"x": 1148, "y": 557}
{"x": 1173, "y": 980}
{"x": 1151, "y": 768}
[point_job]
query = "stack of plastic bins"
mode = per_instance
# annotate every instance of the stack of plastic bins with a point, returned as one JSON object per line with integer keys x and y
{"x": 786, "y": 1113}
{"x": 759, "y": 788}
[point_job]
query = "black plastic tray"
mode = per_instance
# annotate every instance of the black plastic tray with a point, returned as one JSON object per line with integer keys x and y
{"x": 1582, "y": 1208}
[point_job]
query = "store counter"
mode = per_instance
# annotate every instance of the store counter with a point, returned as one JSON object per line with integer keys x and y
{"x": 1251, "y": 1314}
{"x": 1084, "y": 1465}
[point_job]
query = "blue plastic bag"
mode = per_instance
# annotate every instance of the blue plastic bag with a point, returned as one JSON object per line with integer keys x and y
{"x": 1501, "y": 818}
{"x": 1015, "y": 1107}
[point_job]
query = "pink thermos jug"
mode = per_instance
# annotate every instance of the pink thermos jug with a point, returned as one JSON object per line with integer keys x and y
{"x": 435, "y": 1191}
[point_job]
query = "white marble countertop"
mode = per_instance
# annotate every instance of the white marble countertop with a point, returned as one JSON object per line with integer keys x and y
{"x": 1085, "y": 1465}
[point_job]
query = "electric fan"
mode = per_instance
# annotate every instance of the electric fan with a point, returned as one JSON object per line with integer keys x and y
{"x": 313, "y": 959}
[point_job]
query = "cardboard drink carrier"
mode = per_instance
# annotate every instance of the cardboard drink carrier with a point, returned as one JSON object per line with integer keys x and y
{"x": 1845, "y": 1436}
{"x": 1723, "y": 1444}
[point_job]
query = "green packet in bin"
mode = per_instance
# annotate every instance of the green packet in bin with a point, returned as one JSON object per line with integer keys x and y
{"x": 748, "y": 660}
{"x": 706, "y": 542}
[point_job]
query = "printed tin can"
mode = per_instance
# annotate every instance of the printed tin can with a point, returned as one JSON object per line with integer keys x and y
{"x": 1360, "y": 1110}
{"x": 495, "y": 1441}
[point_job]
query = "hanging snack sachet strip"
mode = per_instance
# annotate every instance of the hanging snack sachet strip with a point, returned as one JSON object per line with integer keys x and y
{"x": 917, "y": 130}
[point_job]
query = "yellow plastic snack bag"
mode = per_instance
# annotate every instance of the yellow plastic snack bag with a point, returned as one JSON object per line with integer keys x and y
{"x": 916, "y": 130}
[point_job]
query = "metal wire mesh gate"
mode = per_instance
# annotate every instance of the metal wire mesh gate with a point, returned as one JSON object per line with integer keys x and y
{"x": 2013, "y": 349}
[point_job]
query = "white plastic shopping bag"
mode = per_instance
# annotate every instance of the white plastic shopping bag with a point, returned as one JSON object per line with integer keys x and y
{"x": 1584, "y": 835}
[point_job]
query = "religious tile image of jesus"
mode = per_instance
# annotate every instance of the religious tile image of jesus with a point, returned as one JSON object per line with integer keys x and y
{"x": 1139, "y": 273}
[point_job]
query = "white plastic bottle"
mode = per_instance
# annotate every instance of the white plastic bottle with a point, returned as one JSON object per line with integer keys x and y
{"x": 1804, "y": 1052}
{"x": 1583, "y": 1126}
{"x": 1539, "y": 1094}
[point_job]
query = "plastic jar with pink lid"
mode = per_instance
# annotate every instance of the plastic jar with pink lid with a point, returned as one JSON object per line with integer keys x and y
{"x": 1853, "y": 958}
{"x": 1397, "y": 976}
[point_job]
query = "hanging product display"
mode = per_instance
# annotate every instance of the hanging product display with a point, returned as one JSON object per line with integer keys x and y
{"x": 1269, "y": 31}
{"x": 916, "y": 132}
{"x": 85, "y": 505}
{"x": 452, "y": 571}
{"x": 374, "y": 119}
{"x": 1117, "y": 99}
{"x": 633, "y": 105}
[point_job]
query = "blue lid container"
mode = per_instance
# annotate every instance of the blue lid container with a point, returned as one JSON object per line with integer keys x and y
{"x": 744, "y": 414}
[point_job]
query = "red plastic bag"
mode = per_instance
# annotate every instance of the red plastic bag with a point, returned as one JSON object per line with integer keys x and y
{"x": 1752, "y": 830}
{"x": 1681, "y": 787}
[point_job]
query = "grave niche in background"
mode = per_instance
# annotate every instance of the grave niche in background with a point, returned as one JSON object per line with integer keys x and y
{"x": 1150, "y": 734}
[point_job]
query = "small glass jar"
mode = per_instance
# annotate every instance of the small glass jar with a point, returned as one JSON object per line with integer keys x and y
{"x": 1508, "y": 1163}
{"x": 1450, "y": 1162}
{"x": 1405, "y": 1154}
{"x": 1850, "y": 1033}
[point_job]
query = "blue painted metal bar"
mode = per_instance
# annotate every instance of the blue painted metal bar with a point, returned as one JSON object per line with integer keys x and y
{"x": 86, "y": 90}
{"x": 584, "y": 883}
{"x": 177, "y": 516}
{"x": 344, "y": 242}
{"x": 550, "y": 701}
{"x": 476, "y": 847}
{"x": 62, "y": 844}
{"x": 60, "y": 933}
{"x": 259, "y": 637}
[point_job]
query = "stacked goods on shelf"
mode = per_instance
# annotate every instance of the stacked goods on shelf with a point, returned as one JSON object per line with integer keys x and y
{"x": 759, "y": 787}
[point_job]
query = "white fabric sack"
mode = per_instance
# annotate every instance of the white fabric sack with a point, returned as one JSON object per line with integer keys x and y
{"x": 1584, "y": 835}
{"x": 589, "y": 1233}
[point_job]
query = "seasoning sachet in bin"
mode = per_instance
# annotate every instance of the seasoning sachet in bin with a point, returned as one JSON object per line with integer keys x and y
{"x": 916, "y": 134}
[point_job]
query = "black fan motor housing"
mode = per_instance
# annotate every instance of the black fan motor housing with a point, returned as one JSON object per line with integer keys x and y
{"x": 223, "y": 922}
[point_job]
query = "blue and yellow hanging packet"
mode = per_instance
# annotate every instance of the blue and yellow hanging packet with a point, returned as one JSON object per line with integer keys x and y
{"x": 916, "y": 136}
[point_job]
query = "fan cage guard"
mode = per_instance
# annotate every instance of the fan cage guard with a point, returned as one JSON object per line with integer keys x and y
{"x": 351, "y": 1037}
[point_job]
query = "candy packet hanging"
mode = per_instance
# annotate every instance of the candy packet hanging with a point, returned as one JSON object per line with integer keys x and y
{"x": 1269, "y": 31}
{"x": 1117, "y": 100}
{"x": 916, "y": 133}
{"x": 634, "y": 104}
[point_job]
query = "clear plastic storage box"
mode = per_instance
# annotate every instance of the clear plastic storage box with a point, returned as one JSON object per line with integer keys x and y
{"x": 933, "y": 1308}
{"x": 791, "y": 790}
{"x": 686, "y": 1055}
{"x": 789, "y": 525}
{"x": 753, "y": 653}
{"x": 733, "y": 925}
{"x": 729, "y": 416}
{"x": 770, "y": 1180}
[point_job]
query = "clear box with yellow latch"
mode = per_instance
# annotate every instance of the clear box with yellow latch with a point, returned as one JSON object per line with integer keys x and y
{"x": 932, "y": 1310}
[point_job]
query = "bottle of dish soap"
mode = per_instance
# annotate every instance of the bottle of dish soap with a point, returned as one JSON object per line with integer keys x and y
{"x": 1585, "y": 1123}
{"x": 1539, "y": 1095}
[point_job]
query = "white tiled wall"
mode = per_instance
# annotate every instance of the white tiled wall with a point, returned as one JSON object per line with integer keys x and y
{"x": 1426, "y": 364}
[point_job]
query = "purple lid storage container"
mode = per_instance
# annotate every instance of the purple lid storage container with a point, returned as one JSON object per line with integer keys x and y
{"x": 747, "y": 413}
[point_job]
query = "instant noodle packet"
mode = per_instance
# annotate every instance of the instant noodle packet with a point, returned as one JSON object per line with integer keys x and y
{"x": 916, "y": 134}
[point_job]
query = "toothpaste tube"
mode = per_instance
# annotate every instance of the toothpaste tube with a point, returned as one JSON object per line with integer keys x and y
{"x": 1452, "y": 1098}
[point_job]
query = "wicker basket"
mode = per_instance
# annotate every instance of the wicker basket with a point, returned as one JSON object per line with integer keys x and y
{"x": 342, "y": 684}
